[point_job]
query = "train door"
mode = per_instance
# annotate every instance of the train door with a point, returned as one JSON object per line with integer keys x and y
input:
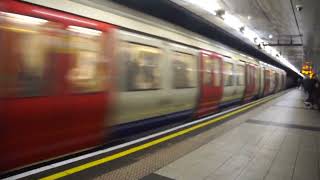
{"x": 249, "y": 82}
{"x": 272, "y": 81}
{"x": 157, "y": 82}
{"x": 55, "y": 97}
{"x": 210, "y": 82}
{"x": 261, "y": 80}
{"x": 240, "y": 80}
{"x": 256, "y": 80}
{"x": 267, "y": 79}
{"x": 182, "y": 82}
{"x": 277, "y": 81}
{"x": 229, "y": 82}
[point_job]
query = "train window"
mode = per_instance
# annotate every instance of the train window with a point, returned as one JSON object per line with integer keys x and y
{"x": 253, "y": 78}
{"x": 208, "y": 67}
{"x": 257, "y": 76}
{"x": 228, "y": 74}
{"x": 24, "y": 55}
{"x": 141, "y": 66}
{"x": 216, "y": 73}
{"x": 184, "y": 70}
{"x": 212, "y": 72}
{"x": 250, "y": 75}
{"x": 240, "y": 75}
{"x": 88, "y": 71}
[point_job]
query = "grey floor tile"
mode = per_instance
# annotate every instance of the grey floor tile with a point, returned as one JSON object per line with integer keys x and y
{"x": 283, "y": 165}
{"x": 257, "y": 151}
{"x": 231, "y": 169}
{"x": 307, "y": 166}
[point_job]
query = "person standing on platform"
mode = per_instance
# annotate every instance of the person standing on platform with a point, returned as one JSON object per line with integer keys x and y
{"x": 309, "y": 87}
{"x": 316, "y": 93}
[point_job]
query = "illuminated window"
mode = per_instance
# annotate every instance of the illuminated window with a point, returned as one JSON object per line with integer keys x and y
{"x": 216, "y": 73}
{"x": 88, "y": 70}
{"x": 240, "y": 75}
{"x": 141, "y": 66}
{"x": 184, "y": 70}
{"x": 25, "y": 55}
{"x": 250, "y": 75}
{"x": 228, "y": 74}
{"x": 207, "y": 70}
{"x": 212, "y": 72}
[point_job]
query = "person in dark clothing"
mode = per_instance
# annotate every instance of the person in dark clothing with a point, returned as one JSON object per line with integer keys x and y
{"x": 309, "y": 87}
{"x": 315, "y": 96}
{"x": 312, "y": 87}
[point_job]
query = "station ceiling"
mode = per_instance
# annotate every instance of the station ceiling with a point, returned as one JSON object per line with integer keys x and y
{"x": 292, "y": 24}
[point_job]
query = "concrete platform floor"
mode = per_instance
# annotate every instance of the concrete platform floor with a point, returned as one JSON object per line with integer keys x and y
{"x": 280, "y": 142}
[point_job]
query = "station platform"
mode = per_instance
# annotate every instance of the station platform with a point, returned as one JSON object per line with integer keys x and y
{"x": 275, "y": 138}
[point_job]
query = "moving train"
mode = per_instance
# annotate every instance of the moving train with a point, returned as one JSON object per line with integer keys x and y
{"x": 71, "y": 75}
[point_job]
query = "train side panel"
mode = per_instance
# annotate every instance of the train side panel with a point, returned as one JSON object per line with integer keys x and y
{"x": 157, "y": 83}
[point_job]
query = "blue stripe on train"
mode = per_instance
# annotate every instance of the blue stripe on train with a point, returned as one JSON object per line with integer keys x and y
{"x": 127, "y": 129}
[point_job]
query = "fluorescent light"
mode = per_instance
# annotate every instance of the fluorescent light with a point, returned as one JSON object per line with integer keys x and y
{"x": 86, "y": 31}
{"x": 212, "y": 6}
{"x": 250, "y": 35}
{"x": 209, "y": 5}
{"x": 232, "y": 21}
{"x": 21, "y": 19}
{"x": 285, "y": 62}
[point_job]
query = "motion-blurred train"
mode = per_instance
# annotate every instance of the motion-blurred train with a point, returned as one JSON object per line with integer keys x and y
{"x": 71, "y": 75}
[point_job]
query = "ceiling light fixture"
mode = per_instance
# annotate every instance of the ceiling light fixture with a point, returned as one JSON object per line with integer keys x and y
{"x": 232, "y": 21}
{"x": 213, "y": 7}
{"x": 209, "y": 5}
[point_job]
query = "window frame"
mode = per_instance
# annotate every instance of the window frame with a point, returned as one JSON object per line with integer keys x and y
{"x": 194, "y": 58}
{"x": 125, "y": 87}
{"x": 46, "y": 82}
{"x": 230, "y": 74}
{"x": 242, "y": 66}
{"x": 101, "y": 59}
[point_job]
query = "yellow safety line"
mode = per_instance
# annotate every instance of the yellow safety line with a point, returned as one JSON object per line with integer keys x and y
{"x": 149, "y": 144}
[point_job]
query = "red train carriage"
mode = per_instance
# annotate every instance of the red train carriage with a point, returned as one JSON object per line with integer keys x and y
{"x": 211, "y": 83}
{"x": 251, "y": 82}
{"x": 267, "y": 80}
{"x": 54, "y": 93}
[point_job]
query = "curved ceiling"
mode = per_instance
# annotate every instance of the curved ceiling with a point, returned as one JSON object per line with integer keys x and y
{"x": 295, "y": 33}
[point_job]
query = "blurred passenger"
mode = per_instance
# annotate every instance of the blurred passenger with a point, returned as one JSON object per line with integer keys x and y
{"x": 316, "y": 93}
{"x": 312, "y": 87}
{"x": 309, "y": 87}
